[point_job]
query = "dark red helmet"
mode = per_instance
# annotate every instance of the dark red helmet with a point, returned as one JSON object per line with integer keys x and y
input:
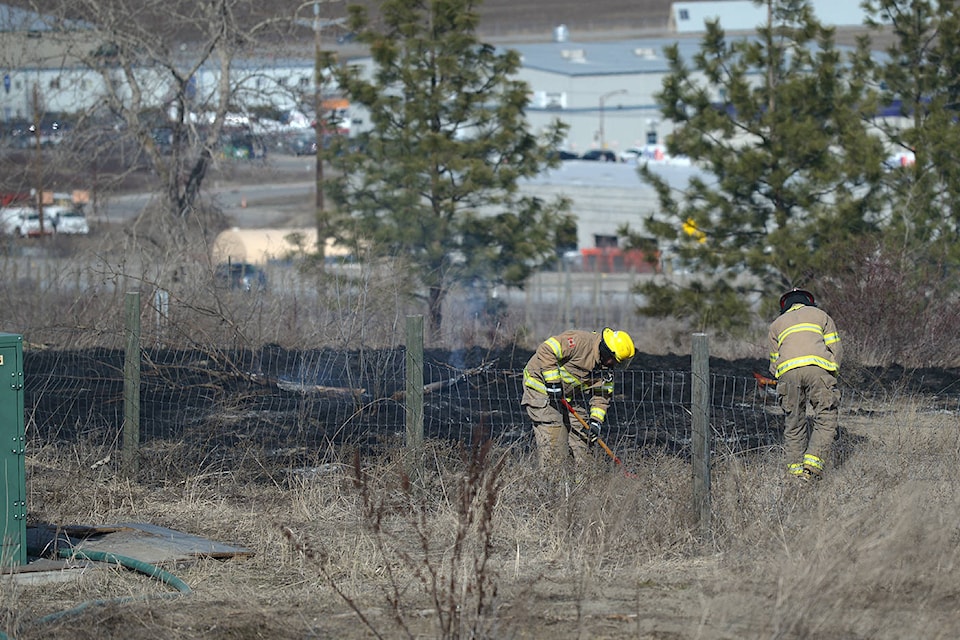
{"x": 795, "y": 296}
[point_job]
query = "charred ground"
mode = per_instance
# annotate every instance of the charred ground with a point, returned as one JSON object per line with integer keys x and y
{"x": 304, "y": 407}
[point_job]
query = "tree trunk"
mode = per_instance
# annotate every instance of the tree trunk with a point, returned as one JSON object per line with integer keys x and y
{"x": 435, "y": 309}
{"x": 191, "y": 189}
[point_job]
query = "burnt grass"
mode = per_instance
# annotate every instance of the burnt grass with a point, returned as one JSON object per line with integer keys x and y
{"x": 301, "y": 408}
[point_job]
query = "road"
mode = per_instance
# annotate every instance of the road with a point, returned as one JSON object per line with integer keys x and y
{"x": 604, "y": 194}
{"x": 271, "y": 194}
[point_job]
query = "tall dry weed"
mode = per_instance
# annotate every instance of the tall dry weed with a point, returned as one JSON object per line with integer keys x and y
{"x": 437, "y": 540}
{"x": 446, "y": 543}
{"x": 871, "y": 551}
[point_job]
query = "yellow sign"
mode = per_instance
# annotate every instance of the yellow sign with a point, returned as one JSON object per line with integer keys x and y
{"x": 691, "y": 229}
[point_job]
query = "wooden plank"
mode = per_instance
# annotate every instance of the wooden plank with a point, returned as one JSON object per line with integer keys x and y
{"x": 153, "y": 544}
{"x": 141, "y": 541}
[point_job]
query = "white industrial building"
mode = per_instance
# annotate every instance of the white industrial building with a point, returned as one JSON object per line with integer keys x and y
{"x": 746, "y": 15}
{"x": 603, "y": 90}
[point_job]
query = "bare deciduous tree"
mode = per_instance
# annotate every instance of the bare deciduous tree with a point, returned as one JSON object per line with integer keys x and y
{"x": 168, "y": 77}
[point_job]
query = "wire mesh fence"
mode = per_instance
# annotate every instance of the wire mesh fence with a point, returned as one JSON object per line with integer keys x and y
{"x": 305, "y": 406}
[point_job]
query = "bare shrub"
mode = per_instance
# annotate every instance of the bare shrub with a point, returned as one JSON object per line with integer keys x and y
{"x": 893, "y": 309}
{"x": 409, "y": 530}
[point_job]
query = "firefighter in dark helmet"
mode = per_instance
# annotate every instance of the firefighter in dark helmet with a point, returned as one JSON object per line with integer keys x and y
{"x": 805, "y": 355}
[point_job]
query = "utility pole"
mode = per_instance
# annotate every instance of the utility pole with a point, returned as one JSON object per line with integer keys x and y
{"x": 38, "y": 148}
{"x": 320, "y": 126}
{"x": 603, "y": 98}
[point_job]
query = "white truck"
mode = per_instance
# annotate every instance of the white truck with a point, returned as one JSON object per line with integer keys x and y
{"x": 25, "y": 222}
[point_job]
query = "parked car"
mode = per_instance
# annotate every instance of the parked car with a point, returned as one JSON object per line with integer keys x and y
{"x": 163, "y": 139}
{"x": 69, "y": 220}
{"x": 23, "y": 221}
{"x": 630, "y": 154}
{"x": 243, "y": 145}
{"x": 11, "y": 219}
{"x": 600, "y": 155}
{"x": 303, "y": 145}
{"x": 242, "y": 276}
{"x": 565, "y": 155}
{"x": 16, "y": 133}
{"x": 28, "y": 224}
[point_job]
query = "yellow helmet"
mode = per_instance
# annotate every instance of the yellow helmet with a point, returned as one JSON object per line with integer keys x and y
{"x": 620, "y": 345}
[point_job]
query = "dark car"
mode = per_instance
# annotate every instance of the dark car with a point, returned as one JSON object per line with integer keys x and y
{"x": 241, "y": 275}
{"x": 564, "y": 155}
{"x": 243, "y": 145}
{"x": 600, "y": 155}
{"x": 303, "y": 145}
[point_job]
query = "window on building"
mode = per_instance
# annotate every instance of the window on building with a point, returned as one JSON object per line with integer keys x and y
{"x": 55, "y": 83}
{"x": 604, "y": 242}
{"x": 684, "y": 14}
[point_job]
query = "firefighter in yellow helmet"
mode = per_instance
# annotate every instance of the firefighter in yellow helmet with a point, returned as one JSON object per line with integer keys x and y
{"x": 572, "y": 365}
{"x": 805, "y": 356}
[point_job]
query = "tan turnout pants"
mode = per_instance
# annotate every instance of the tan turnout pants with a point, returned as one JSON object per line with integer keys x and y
{"x": 557, "y": 439}
{"x": 795, "y": 389}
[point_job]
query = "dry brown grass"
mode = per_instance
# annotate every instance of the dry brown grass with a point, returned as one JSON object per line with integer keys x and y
{"x": 871, "y": 552}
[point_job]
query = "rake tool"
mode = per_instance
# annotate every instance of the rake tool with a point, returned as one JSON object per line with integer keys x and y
{"x": 600, "y": 441}
{"x": 766, "y": 384}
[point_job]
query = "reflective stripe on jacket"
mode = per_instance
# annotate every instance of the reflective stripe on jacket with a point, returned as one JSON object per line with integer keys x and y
{"x": 573, "y": 359}
{"x": 803, "y": 336}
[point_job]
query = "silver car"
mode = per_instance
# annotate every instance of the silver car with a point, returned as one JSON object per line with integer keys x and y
{"x": 71, "y": 221}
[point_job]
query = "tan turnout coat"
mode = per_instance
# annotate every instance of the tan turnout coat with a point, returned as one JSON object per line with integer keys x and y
{"x": 573, "y": 358}
{"x": 803, "y": 336}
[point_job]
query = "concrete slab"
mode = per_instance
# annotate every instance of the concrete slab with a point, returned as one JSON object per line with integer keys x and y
{"x": 39, "y": 571}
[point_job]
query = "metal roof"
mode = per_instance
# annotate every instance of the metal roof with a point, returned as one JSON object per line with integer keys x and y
{"x": 621, "y": 57}
{"x": 602, "y": 58}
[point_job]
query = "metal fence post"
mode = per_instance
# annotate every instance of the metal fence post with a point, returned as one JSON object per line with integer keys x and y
{"x": 414, "y": 394}
{"x": 130, "y": 457}
{"x": 701, "y": 440}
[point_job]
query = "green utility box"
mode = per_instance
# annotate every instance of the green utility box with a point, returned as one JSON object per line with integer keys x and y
{"x": 13, "y": 515}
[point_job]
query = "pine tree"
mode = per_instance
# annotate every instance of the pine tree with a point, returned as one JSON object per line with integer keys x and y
{"x": 897, "y": 298}
{"x": 435, "y": 182}
{"x": 920, "y": 78}
{"x": 790, "y": 169}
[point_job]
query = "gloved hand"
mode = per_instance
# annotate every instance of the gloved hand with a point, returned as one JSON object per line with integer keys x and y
{"x": 593, "y": 432}
{"x": 554, "y": 391}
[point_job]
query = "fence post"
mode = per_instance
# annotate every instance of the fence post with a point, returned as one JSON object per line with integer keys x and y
{"x": 131, "y": 387}
{"x": 701, "y": 440}
{"x": 414, "y": 394}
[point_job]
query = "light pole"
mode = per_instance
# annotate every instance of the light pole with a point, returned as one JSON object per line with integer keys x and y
{"x": 603, "y": 98}
{"x": 321, "y": 214}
